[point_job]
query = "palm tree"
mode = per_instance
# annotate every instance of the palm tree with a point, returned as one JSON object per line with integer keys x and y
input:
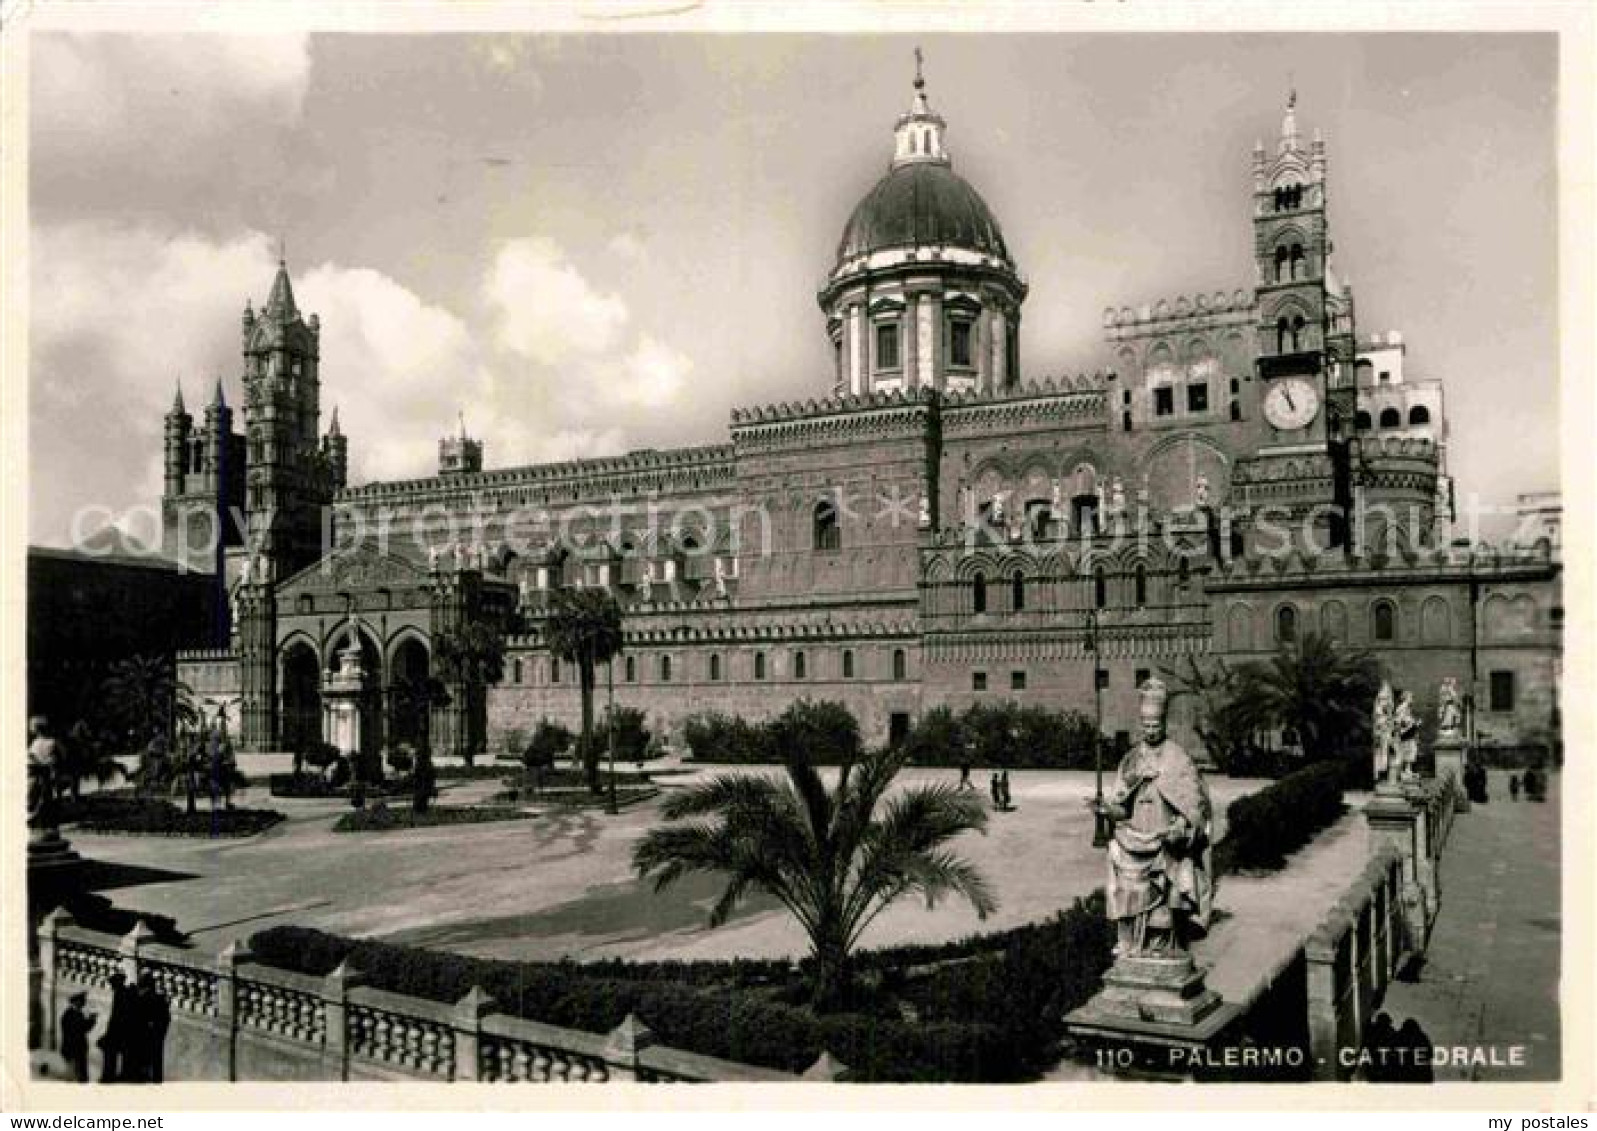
{"x": 472, "y": 657}
{"x": 1315, "y": 688}
{"x": 145, "y": 697}
{"x": 86, "y": 753}
{"x": 584, "y": 628}
{"x": 825, "y": 855}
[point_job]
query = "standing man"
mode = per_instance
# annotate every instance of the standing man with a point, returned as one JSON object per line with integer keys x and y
{"x": 75, "y": 1027}
{"x": 1161, "y": 874}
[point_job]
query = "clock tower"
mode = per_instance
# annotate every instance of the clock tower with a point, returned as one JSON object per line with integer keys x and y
{"x": 1304, "y": 333}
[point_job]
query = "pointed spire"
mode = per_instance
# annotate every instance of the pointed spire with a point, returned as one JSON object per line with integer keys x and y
{"x": 332, "y": 427}
{"x": 464, "y": 435}
{"x": 177, "y": 400}
{"x": 280, "y": 303}
{"x": 920, "y": 132}
{"x": 218, "y": 400}
{"x": 1289, "y": 124}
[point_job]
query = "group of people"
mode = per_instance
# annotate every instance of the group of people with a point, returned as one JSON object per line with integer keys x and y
{"x": 997, "y": 786}
{"x": 1397, "y": 1054}
{"x": 133, "y": 1042}
{"x": 1532, "y": 781}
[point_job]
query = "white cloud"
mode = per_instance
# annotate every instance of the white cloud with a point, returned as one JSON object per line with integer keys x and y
{"x": 107, "y": 97}
{"x": 652, "y": 376}
{"x": 628, "y": 247}
{"x": 546, "y": 310}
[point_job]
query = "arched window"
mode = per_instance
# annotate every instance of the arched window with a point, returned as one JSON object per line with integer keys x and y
{"x": 1286, "y": 624}
{"x": 715, "y": 668}
{"x": 1281, "y": 260}
{"x": 1141, "y": 583}
{"x": 1017, "y": 591}
{"x": 632, "y": 669}
{"x": 1100, "y": 588}
{"x": 978, "y": 593}
{"x": 848, "y": 664}
{"x": 1236, "y": 409}
{"x": 515, "y": 671}
{"x": 1300, "y": 265}
{"x": 1238, "y": 547}
{"x": 1418, "y": 415}
{"x": 1391, "y": 418}
{"x": 1383, "y": 621}
{"x": 900, "y": 664}
{"x": 1282, "y": 331}
{"x": 759, "y": 665}
{"x": 1183, "y": 571}
{"x": 1297, "y": 333}
{"x": 798, "y": 665}
{"x": 827, "y": 534}
{"x": 665, "y": 669}
{"x": 1362, "y": 421}
{"x": 554, "y": 670}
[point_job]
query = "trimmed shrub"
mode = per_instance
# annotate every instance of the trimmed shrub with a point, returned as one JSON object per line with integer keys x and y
{"x": 1002, "y": 736}
{"x": 549, "y": 740}
{"x": 994, "y": 1015}
{"x": 824, "y": 731}
{"x": 715, "y": 737}
{"x": 632, "y": 735}
{"x": 162, "y": 818}
{"x": 381, "y": 818}
{"x": 1264, "y": 828}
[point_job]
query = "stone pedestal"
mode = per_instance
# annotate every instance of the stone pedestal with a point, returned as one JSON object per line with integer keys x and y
{"x": 48, "y": 850}
{"x": 1451, "y": 756}
{"x": 341, "y": 694}
{"x": 1397, "y": 816}
{"x": 1154, "y": 1017}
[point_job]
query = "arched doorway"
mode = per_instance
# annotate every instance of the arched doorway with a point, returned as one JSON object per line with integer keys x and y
{"x": 409, "y": 708}
{"x": 302, "y": 697}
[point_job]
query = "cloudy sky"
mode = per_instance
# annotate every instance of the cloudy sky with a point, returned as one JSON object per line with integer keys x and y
{"x": 596, "y": 243}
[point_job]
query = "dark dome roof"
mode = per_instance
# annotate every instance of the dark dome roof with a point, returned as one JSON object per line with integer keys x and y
{"x": 921, "y": 203}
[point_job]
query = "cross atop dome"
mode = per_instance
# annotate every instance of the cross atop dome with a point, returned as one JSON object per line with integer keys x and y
{"x": 919, "y": 133}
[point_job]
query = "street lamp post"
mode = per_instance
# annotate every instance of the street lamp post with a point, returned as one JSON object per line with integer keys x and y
{"x": 1100, "y": 822}
{"x": 610, "y": 725}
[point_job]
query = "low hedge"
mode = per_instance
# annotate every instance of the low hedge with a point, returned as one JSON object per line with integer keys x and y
{"x": 994, "y": 1017}
{"x": 162, "y": 818}
{"x": 1264, "y": 828}
{"x": 302, "y": 786}
{"x": 383, "y": 818}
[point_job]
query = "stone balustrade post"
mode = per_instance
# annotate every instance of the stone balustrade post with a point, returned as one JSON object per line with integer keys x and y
{"x": 131, "y": 948}
{"x": 49, "y": 977}
{"x": 227, "y": 1002}
{"x": 1320, "y": 960}
{"x": 623, "y": 1045}
{"x": 828, "y": 1069}
{"x": 469, "y": 1013}
{"x": 335, "y": 1013}
{"x": 1396, "y": 820}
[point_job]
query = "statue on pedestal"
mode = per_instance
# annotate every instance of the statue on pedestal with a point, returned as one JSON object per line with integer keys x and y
{"x": 1201, "y": 493}
{"x": 924, "y": 519}
{"x": 1449, "y": 710}
{"x": 1161, "y": 876}
{"x": 1382, "y": 735}
{"x": 43, "y": 754}
{"x": 720, "y": 577}
{"x": 1406, "y": 729}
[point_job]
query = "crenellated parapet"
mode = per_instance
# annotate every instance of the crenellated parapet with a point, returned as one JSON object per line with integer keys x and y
{"x": 1182, "y": 313}
{"x": 706, "y": 467}
{"x": 1405, "y": 563}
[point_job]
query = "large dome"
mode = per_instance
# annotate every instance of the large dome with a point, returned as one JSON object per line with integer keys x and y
{"x": 918, "y": 204}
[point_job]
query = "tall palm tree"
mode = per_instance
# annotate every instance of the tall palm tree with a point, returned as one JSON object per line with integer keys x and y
{"x": 583, "y": 627}
{"x": 1319, "y": 690}
{"x": 145, "y": 697}
{"x": 471, "y": 657}
{"x": 828, "y": 856}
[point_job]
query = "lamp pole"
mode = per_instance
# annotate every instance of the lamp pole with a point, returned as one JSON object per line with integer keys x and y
{"x": 610, "y": 725}
{"x": 1100, "y": 824}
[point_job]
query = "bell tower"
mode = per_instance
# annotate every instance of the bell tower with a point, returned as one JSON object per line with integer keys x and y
{"x": 290, "y": 476}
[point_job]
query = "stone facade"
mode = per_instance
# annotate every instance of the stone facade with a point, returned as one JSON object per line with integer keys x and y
{"x": 936, "y": 530}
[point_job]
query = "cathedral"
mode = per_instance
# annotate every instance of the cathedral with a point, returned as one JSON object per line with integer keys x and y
{"x": 927, "y": 527}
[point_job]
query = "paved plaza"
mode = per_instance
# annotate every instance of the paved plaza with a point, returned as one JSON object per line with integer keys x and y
{"x": 561, "y": 884}
{"x": 1491, "y": 975}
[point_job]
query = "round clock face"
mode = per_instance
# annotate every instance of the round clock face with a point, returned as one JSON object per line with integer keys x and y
{"x": 1291, "y": 404}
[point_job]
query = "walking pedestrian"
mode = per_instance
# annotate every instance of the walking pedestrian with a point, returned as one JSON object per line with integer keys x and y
{"x": 996, "y": 789}
{"x": 1006, "y": 802}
